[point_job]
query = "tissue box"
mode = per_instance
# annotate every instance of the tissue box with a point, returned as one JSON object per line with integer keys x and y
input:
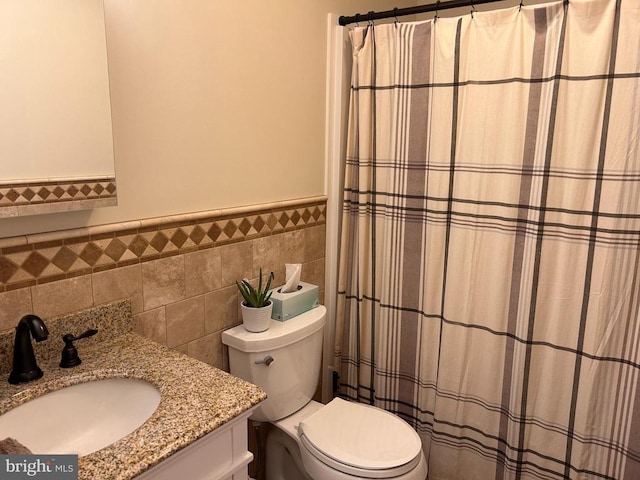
{"x": 288, "y": 305}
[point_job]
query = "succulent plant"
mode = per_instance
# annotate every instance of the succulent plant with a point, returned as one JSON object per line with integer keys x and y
{"x": 255, "y": 297}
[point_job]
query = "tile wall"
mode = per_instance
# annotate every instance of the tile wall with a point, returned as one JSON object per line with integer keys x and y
{"x": 179, "y": 271}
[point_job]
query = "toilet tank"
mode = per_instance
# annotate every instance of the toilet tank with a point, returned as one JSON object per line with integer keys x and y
{"x": 291, "y": 379}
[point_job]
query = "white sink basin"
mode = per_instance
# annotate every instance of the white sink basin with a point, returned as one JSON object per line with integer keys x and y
{"x": 82, "y": 418}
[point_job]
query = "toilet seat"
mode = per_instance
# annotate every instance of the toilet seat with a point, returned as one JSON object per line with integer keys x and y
{"x": 360, "y": 440}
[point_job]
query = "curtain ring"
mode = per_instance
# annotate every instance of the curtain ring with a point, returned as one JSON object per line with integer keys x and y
{"x": 521, "y": 5}
{"x": 395, "y": 15}
{"x": 371, "y": 18}
{"x": 435, "y": 18}
{"x": 473, "y": 9}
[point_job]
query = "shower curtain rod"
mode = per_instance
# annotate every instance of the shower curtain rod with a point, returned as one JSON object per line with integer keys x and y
{"x": 397, "y": 12}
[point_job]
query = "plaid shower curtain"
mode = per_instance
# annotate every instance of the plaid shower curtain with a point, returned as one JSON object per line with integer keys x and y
{"x": 490, "y": 248}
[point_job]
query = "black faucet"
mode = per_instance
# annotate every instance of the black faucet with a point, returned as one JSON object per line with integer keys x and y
{"x": 25, "y": 368}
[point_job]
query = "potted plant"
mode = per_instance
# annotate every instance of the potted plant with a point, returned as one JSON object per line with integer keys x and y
{"x": 256, "y": 306}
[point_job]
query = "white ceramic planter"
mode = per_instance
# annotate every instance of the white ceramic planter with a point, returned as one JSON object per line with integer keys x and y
{"x": 256, "y": 319}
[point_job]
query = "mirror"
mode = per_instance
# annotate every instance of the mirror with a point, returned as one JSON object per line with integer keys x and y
{"x": 56, "y": 139}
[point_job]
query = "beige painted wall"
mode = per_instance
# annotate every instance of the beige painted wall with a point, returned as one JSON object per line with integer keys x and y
{"x": 215, "y": 104}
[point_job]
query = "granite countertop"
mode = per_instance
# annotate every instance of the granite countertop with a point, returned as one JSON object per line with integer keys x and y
{"x": 196, "y": 398}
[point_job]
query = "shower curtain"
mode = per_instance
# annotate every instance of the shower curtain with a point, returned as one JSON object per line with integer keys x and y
{"x": 489, "y": 269}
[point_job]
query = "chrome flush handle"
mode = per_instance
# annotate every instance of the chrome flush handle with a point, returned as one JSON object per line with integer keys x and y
{"x": 268, "y": 360}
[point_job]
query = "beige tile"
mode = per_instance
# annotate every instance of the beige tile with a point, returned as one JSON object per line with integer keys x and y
{"x": 280, "y": 278}
{"x": 289, "y": 251}
{"x": 267, "y": 254}
{"x": 36, "y": 209}
{"x": 202, "y": 271}
{"x": 15, "y": 305}
{"x": 221, "y": 309}
{"x": 313, "y": 272}
{"x": 237, "y": 262}
{"x": 314, "y": 243}
{"x": 118, "y": 284}
{"x": 13, "y": 241}
{"x": 57, "y": 235}
{"x": 114, "y": 227}
{"x": 185, "y": 321}
{"x": 163, "y": 281}
{"x": 295, "y": 202}
{"x": 9, "y": 211}
{"x": 292, "y": 246}
{"x": 63, "y": 296}
{"x": 207, "y": 349}
{"x": 152, "y": 324}
{"x": 243, "y": 211}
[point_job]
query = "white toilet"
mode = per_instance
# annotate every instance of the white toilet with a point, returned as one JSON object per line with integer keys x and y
{"x": 340, "y": 440}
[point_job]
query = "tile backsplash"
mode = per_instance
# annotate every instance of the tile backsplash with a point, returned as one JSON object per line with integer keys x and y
{"x": 178, "y": 272}
{"x": 111, "y": 320}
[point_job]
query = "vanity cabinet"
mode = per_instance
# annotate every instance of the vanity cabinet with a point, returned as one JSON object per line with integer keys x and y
{"x": 220, "y": 455}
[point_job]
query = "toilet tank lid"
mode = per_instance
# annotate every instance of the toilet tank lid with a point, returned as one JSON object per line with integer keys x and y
{"x": 278, "y": 335}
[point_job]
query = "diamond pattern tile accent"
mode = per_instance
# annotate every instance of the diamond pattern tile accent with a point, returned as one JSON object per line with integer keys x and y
{"x": 159, "y": 241}
{"x": 229, "y": 229}
{"x": 138, "y": 245}
{"x": 35, "y": 264}
{"x": 44, "y": 193}
{"x": 178, "y": 238}
{"x": 71, "y": 255}
{"x": 272, "y": 221}
{"x": 284, "y": 219}
{"x": 115, "y": 249}
{"x": 64, "y": 259}
{"x": 7, "y": 269}
{"x": 214, "y": 232}
{"x": 12, "y": 195}
{"x": 91, "y": 253}
{"x": 259, "y": 223}
{"x": 244, "y": 226}
{"x": 30, "y": 193}
{"x": 197, "y": 234}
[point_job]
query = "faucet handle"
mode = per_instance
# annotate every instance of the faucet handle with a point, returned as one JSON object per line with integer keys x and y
{"x": 70, "y": 356}
{"x": 68, "y": 338}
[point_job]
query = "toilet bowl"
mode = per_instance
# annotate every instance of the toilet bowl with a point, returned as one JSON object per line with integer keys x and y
{"x": 344, "y": 440}
{"x": 341, "y": 440}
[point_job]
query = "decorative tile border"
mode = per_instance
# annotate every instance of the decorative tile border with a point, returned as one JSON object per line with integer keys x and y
{"x": 36, "y": 259}
{"x": 29, "y": 198}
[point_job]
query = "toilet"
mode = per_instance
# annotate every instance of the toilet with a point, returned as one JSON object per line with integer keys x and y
{"x": 338, "y": 441}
